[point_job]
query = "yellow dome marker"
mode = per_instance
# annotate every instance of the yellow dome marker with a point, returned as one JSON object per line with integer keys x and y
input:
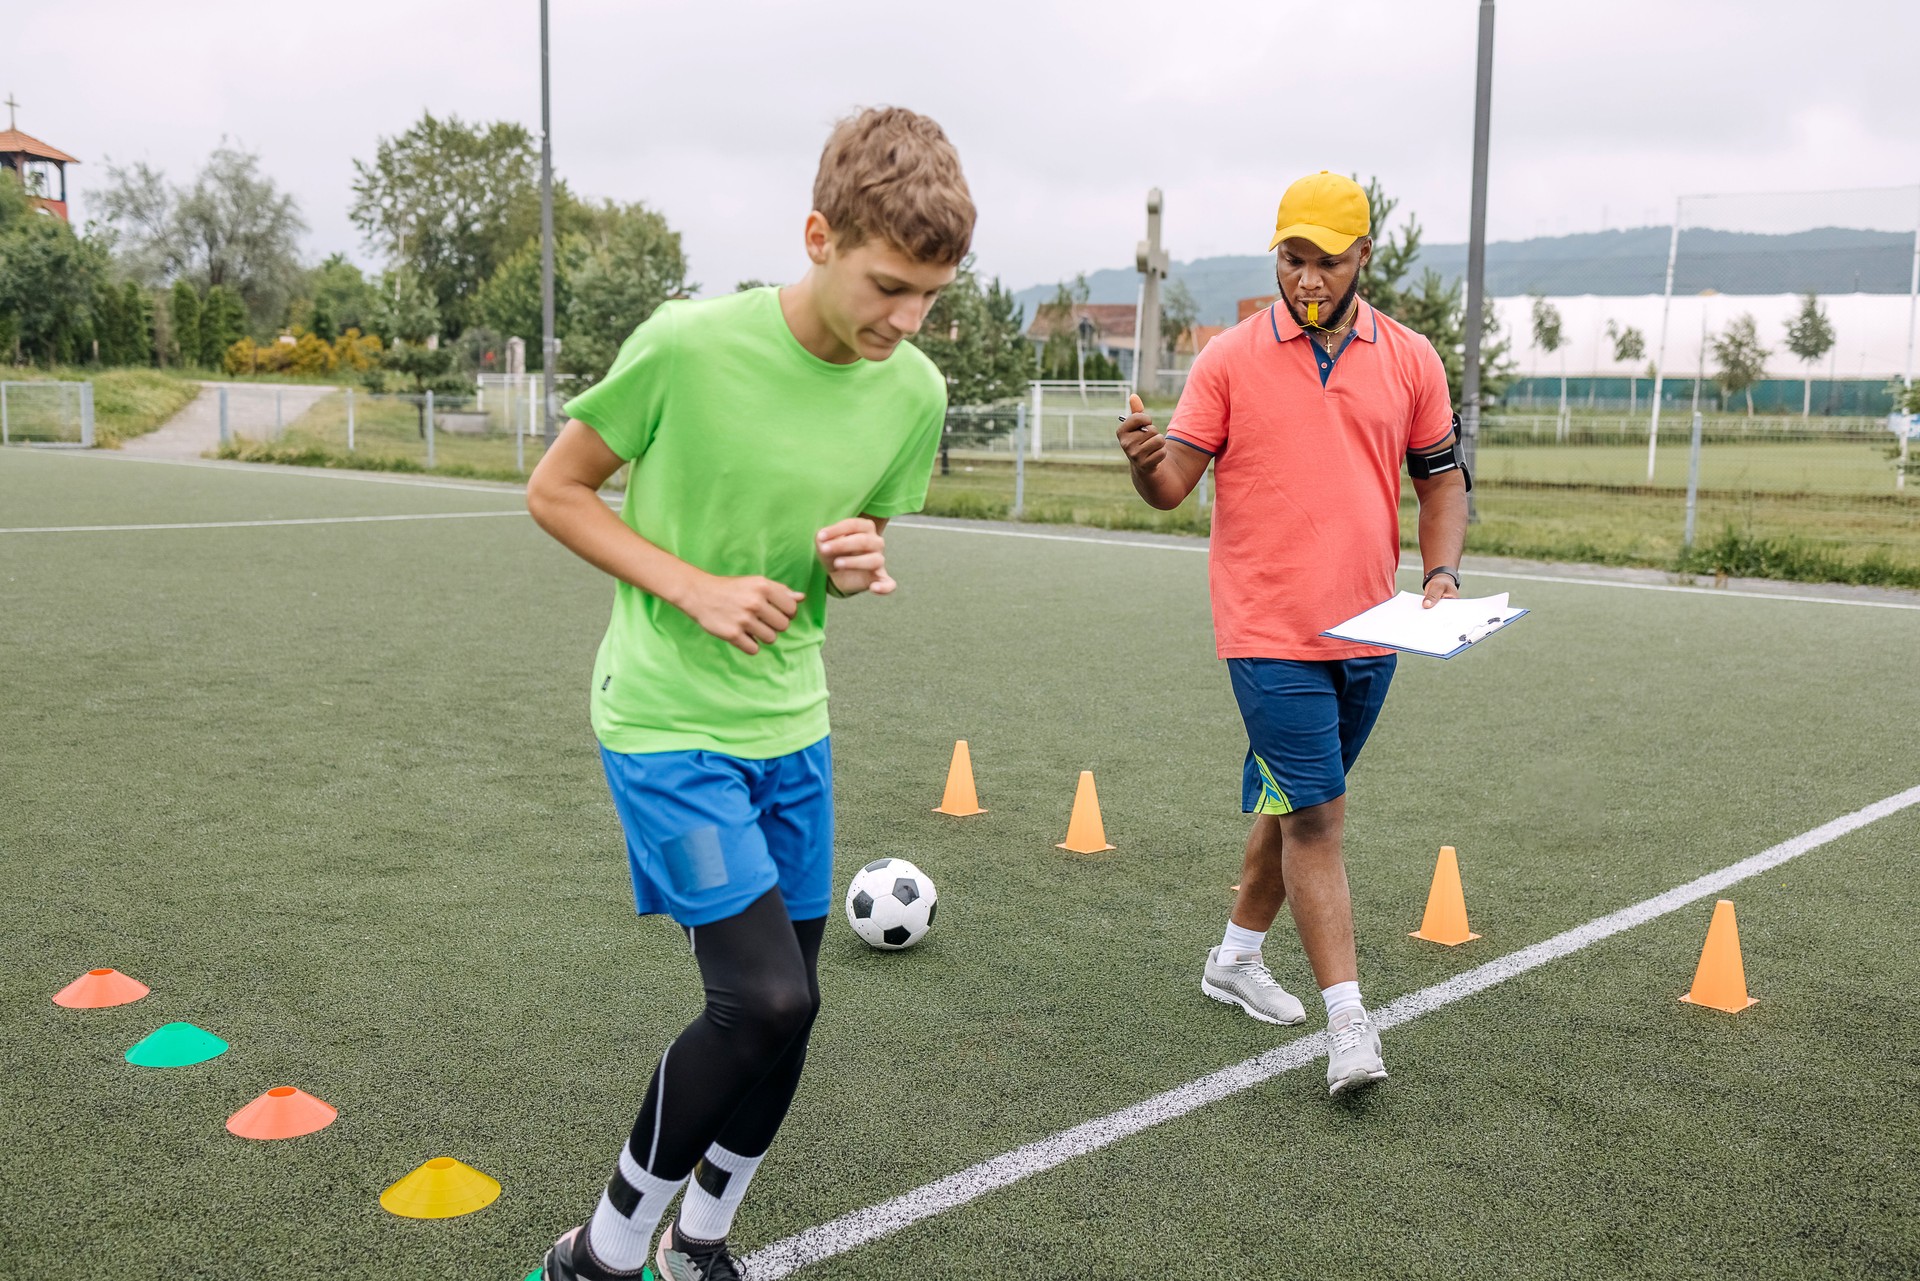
{"x": 442, "y": 1188}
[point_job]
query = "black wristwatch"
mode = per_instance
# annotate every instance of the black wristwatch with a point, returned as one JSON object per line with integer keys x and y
{"x": 1448, "y": 570}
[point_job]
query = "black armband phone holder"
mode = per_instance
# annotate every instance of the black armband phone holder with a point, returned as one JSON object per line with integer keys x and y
{"x": 1438, "y": 462}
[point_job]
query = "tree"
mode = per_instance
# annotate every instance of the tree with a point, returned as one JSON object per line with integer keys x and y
{"x": 974, "y": 336}
{"x": 404, "y": 309}
{"x": 184, "y": 311}
{"x": 1742, "y": 360}
{"x": 751, "y": 282}
{"x": 1629, "y": 344}
{"x": 1809, "y": 337}
{"x": 628, "y": 262}
{"x": 223, "y": 322}
{"x": 1064, "y": 355}
{"x": 452, "y": 201}
{"x": 1438, "y": 310}
{"x": 510, "y": 300}
{"x": 342, "y": 297}
{"x": 1549, "y": 337}
{"x": 232, "y": 227}
{"x": 1178, "y": 312}
{"x": 49, "y": 280}
{"x": 1393, "y": 255}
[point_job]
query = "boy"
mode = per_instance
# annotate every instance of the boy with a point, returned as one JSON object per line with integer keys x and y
{"x": 772, "y": 434}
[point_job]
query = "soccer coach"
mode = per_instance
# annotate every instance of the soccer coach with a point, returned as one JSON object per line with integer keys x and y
{"x": 1306, "y": 411}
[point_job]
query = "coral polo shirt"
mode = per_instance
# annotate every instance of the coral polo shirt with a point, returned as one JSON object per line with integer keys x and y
{"x": 1306, "y": 520}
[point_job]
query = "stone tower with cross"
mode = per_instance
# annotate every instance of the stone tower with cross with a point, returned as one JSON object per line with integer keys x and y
{"x": 1151, "y": 262}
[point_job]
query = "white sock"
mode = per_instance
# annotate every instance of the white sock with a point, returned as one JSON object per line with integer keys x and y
{"x": 719, "y": 1183}
{"x": 1341, "y": 996}
{"x": 1241, "y": 940}
{"x": 621, "y": 1239}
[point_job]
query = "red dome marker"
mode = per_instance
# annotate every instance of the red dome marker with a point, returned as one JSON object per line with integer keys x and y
{"x": 282, "y": 1113}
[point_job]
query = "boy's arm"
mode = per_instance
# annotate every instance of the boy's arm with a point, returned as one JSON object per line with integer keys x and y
{"x": 563, "y": 497}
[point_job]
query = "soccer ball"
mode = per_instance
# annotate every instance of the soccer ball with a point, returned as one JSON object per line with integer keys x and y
{"x": 890, "y": 904}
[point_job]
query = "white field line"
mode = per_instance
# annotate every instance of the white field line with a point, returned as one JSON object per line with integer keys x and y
{"x": 260, "y": 524}
{"x": 1476, "y": 572}
{"x": 850, "y": 1231}
{"x": 311, "y": 473}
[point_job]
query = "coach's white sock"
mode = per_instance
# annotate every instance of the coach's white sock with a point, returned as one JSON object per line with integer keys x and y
{"x": 1244, "y": 941}
{"x": 621, "y": 1237}
{"x": 1341, "y": 996}
{"x": 719, "y": 1183}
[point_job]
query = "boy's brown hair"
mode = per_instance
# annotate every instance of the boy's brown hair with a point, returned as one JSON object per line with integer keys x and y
{"x": 891, "y": 173}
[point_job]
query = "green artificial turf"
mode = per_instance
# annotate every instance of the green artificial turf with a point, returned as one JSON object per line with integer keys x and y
{"x": 331, "y": 792}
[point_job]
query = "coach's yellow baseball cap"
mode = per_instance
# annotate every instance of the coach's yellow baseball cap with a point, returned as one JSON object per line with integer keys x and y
{"x": 1326, "y": 208}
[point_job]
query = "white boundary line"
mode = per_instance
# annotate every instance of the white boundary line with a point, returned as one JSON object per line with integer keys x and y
{"x": 851, "y": 1231}
{"x": 1472, "y": 570}
{"x": 312, "y": 473}
{"x": 260, "y": 524}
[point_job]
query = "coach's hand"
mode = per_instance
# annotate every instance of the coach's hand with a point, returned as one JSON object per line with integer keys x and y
{"x": 1143, "y": 444}
{"x": 744, "y": 612}
{"x": 1438, "y": 590}
{"x": 855, "y": 555}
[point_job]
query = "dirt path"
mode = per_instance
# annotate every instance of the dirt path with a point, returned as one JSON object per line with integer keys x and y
{"x": 195, "y": 430}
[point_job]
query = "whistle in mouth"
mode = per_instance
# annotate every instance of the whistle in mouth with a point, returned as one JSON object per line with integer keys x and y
{"x": 1313, "y": 313}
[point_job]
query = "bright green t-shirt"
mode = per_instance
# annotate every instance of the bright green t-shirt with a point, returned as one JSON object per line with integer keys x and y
{"x": 744, "y": 446}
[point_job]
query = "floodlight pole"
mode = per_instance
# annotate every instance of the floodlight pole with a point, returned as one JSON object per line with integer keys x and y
{"x": 549, "y": 353}
{"x": 1477, "y": 251}
{"x": 1660, "y": 361}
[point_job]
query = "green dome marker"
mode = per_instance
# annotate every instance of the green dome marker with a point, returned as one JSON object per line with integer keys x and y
{"x": 176, "y": 1045}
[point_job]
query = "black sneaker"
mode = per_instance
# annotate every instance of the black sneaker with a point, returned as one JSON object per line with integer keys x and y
{"x": 571, "y": 1259}
{"x": 692, "y": 1260}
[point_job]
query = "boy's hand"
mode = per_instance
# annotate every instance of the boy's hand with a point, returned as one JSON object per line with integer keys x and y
{"x": 744, "y": 612}
{"x": 855, "y": 556}
{"x": 1143, "y": 444}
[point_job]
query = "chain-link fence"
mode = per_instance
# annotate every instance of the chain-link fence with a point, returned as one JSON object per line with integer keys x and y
{"x": 46, "y": 413}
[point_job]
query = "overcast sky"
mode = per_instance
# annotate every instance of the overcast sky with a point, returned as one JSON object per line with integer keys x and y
{"x": 1064, "y": 113}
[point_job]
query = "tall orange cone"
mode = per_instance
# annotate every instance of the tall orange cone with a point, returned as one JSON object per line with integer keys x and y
{"x": 282, "y": 1113}
{"x": 1721, "y": 981}
{"x": 1446, "y": 918}
{"x": 98, "y": 989}
{"x": 960, "y": 800}
{"x": 1086, "y": 834}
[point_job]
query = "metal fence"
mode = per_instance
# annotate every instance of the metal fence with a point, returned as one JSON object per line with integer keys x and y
{"x": 479, "y": 433}
{"x": 46, "y": 413}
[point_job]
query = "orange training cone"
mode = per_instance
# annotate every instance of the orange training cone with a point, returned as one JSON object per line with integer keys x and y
{"x": 1721, "y": 980}
{"x": 1446, "y": 918}
{"x": 282, "y": 1113}
{"x": 442, "y": 1188}
{"x": 98, "y": 989}
{"x": 1085, "y": 833}
{"x": 960, "y": 800}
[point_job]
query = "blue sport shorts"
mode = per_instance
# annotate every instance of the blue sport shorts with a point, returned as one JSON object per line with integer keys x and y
{"x": 709, "y": 833}
{"x": 1306, "y": 723}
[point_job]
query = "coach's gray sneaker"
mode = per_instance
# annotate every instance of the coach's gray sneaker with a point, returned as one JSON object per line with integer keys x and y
{"x": 1353, "y": 1052}
{"x": 1246, "y": 982}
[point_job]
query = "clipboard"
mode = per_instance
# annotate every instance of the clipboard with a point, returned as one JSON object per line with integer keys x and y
{"x": 1451, "y": 627}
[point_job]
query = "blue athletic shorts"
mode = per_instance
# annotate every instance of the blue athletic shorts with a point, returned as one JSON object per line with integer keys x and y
{"x": 709, "y": 833}
{"x": 1306, "y": 723}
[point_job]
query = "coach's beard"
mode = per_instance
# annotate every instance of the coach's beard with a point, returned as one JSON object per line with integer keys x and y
{"x": 1325, "y": 322}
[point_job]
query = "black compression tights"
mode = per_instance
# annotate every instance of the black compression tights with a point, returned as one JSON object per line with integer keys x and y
{"x": 730, "y": 1076}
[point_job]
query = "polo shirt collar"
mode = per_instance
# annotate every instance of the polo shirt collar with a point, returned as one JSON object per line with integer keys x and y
{"x": 1366, "y": 322}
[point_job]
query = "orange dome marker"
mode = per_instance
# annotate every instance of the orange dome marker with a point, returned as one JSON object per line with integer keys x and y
{"x": 1446, "y": 918}
{"x": 1086, "y": 834}
{"x": 98, "y": 989}
{"x": 282, "y": 1113}
{"x": 960, "y": 800}
{"x": 1720, "y": 983}
{"x": 442, "y": 1188}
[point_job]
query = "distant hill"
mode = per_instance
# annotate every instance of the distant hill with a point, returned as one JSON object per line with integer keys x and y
{"x": 1831, "y": 260}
